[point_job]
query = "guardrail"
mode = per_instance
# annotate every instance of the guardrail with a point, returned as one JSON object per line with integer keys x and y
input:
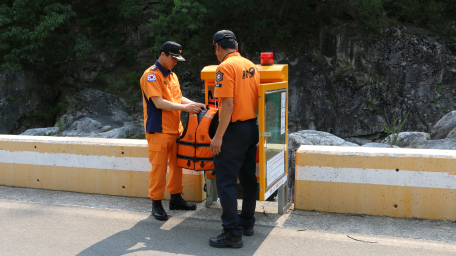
{"x": 407, "y": 183}
{"x": 89, "y": 165}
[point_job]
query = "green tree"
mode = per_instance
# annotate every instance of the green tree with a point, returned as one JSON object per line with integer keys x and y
{"x": 193, "y": 22}
{"x": 178, "y": 21}
{"x": 366, "y": 12}
{"x": 101, "y": 19}
{"x": 31, "y": 32}
{"x": 38, "y": 33}
{"x": 436, "y": 15}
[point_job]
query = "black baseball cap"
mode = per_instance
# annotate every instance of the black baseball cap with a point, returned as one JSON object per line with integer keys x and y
{"x": 174, "y": 49}
{"x": 223, "y": 34}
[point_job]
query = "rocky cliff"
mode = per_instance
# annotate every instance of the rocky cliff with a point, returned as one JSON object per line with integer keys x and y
{"x": 351, "y": 86}
{"x": 20, "y": 95}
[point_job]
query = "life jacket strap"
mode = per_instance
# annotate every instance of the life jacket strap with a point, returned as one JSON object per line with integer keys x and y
{"x": 194, "y": 144}
{"x": 195, "y": 159}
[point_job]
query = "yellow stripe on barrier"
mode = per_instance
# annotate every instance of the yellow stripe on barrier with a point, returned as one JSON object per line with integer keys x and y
{"x": 410, "y": 183}
{"x": 77, "y": 146}
{"x": 102, "y": 166}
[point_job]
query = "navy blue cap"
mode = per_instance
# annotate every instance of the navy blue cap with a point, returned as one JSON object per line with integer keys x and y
{"x": 223, "y": 34}
{"x": 174, "y": 49}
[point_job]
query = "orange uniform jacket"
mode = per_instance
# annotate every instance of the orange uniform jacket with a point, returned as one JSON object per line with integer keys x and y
{"x": 237, "y": 77}
{"x": 157, "y": 81}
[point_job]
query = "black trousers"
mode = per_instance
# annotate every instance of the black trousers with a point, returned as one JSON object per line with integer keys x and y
{"x": 237, "y": 159}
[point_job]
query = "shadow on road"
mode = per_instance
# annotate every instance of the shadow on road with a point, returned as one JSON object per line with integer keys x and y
{"x": 189, "y": 236}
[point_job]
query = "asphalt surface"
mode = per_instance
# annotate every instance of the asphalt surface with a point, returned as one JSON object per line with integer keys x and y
{"x": 43, "y": 222}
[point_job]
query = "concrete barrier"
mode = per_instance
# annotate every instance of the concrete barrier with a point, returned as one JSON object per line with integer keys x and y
{"x": 407, "y": 183}
{"x": 89, "y": 165}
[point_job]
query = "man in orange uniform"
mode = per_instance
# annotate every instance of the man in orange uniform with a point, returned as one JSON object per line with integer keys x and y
{"x": 163, "y": 103}
{"x": 234, "y": 144}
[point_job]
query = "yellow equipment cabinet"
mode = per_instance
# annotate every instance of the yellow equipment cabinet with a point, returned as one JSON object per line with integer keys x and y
{"x": 273, "y": 128}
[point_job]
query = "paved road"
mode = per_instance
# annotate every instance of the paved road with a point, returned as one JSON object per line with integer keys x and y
{"x": 40, "y": 222}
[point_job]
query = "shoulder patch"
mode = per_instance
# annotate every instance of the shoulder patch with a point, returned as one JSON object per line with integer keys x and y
{"x": 151, "y": 78}
{"x": 218, "y": 76}
{"x": 153, "y": 67}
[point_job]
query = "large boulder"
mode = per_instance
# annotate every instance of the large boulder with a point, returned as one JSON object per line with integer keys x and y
{"x": 93, "y": 113}
{"x": 102, "y": 107}
{"x": 308, "y": 137}
{"x": 83, "y": 127}
{"x": 311, "y": 137}
{"x": 440, "y": 144}
{"x": 444, "y": 126}
{"x": 359, "y": 141}
{"x": 87, "y": 127}
{"x": 378, "y": 145}
{"x": 130, "y": 131}
{"x": 410, "y": 139}
{"x": 50, "y": 131}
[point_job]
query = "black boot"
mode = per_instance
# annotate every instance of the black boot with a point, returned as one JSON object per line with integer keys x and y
{"x": 248, "y": 231}
{"x": 178, "y": 203}
{"x": 157, "y": 210}
{"x": 226, "y": 239}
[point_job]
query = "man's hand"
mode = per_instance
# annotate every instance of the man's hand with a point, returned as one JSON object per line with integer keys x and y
{"x": 192, "y": 107}
{"x": 201, "y": 105}
{"x": 216, "y": 145}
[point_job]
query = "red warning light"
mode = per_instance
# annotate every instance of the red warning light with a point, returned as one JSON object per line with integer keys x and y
{"x": 267, "y": 58}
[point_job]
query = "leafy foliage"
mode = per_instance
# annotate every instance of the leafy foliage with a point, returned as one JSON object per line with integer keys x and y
{"x": 436, "y": 15}
{"x": 30, "y": 32}
{"x": 431, "y": 14}
{"x": 193, "y": 22}
{"x": 38, "y": 32}
{"x": 178, "y": 21}
{"x": 103, "y": 17}
{"x": 63, "y": 106}
{"x": 366, "y": 11}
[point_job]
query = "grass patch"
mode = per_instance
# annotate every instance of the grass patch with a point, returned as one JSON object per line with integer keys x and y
{"x": 394, "y": 130}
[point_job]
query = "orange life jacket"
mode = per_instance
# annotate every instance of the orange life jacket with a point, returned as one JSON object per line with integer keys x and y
{"x": 194, "y": 151}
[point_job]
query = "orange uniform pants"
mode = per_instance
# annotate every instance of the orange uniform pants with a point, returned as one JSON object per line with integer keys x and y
{"x": 163, "y": 153}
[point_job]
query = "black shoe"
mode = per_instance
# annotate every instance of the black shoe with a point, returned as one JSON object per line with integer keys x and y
{"x": 226, "y": 239}
{"x": 248, "y": 231}
{"x": 157, "y": 210}
{"x": 178, "y": 203}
